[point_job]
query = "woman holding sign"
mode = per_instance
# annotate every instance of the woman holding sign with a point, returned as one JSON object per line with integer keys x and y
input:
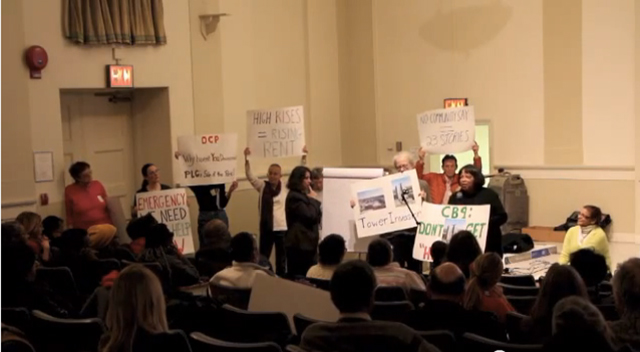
{"x": 473, "y": 192}
{"x": 151, "y": 182}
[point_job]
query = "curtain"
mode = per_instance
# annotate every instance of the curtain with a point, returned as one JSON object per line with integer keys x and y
{"x": 134, "y": 22}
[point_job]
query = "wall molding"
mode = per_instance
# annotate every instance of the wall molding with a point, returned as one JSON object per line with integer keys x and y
{"x": 622, "y": 237}
{"x": 577, "y": 172}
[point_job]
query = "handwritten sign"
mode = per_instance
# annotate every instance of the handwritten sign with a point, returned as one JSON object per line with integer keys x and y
{"x": 447, "y": 131}
{"x": 440, "y": 222}
{"x": 169, "y": 207}
{"x": 207, "y": 159}
{"x": 276, "y": 133}
{"x": 379, "y": 206}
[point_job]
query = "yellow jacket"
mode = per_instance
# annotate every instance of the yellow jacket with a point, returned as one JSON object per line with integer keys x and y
{"x": 596, "y": 239}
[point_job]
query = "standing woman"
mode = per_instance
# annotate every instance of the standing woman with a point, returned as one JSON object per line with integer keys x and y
{"x": 303, "y": 215}
{"x": 151, "y": 182}
{"x": 85, "y": 199}
{"x": 473, "y": 192}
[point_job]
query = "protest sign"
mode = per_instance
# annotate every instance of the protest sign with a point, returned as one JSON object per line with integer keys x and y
{"x": 207, "y": 159}
{"x": 379, "y": 206}
{"x": 276, "y": 133}
{"x": 447, "y": 131}
{"x": 440, "y": 222}
{"x": 169, "y": 207}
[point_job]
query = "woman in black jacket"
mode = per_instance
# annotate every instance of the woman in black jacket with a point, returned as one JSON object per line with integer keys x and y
{"x": 303, "y": 221}
{"x": 473, "y": 192}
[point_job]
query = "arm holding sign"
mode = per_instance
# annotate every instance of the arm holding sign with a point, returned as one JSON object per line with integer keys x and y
{"x": 255, "y": 182}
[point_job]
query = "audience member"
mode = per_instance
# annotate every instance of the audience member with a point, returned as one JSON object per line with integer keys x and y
{"x": 13, "y": 231}
{"x": 104, "y": 242}
{"x": 331, "y": 251}
{"x": 32, "y": 224}
{"x": 587, "y": 234}
{"x": 483, "y": 292}
{"x": 136, "y": 312}
{"x": 215, "y": 253}
{"x": 161, "y": 249}
{"x": 463, "y": 250}
{"x": 80, "y": 259}
{"x": 137, "y": 230}
{"x": 388, "y": 273}
{"x": 352, "y": 287}
{"x": 243, "y": 271}
{"x": 561, "y": 281}
{"x": 444, "y": 310}
{"x": 86, "y": 199}
{"x": 438, "y": 253}
{"x": 52, "y": 227}
{"x": 626, "y": 293}
{"x": 578, "y": 326}
{"x": 592, "y": 268}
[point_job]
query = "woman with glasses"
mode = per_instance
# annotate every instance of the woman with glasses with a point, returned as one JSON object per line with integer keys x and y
{"x": 587, "y": 234}
{"x": 150, "y": 183}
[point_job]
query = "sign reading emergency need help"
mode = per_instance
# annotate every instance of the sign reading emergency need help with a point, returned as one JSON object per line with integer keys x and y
{"x": 207, "y": 159}
{"x": 276, "y": 133}
{"x": 169, "y": 207}
{"x": 447, "y": 131}
{"x": 440, "y": 222}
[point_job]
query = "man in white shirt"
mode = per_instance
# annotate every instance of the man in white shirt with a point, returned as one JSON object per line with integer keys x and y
{"x": 244, "y": 267}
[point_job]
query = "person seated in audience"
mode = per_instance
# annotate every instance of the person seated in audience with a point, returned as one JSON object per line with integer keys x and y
{"x": 161, "y": 249}
{"x": 32, "y": 224}
{"x": 52, "y": 227}
{"x": 578, "y": 326}
{"x": 243, "y": 271}
{"x": 331, "y": 251}
{"x": 587, "y": 234}
{"x": 214, "y": 254}
{"x": 13, "y": 231}
{"x": 626, "y": 294}
{"x": 560, "y": 281}
{"x": 352, "y": 288}
{"x": 76, "y": 255}
{"x": 444, "y": 311}
{"x": 137, "y": 230}
{"x": 438, "y": 254}
{"x": 592, "y": 268}
{"x": 18, "y": 278}
{"x": 483, "y": 292}
{"x": 136, "y": 312}
{"x": 388, "y": 273}
{"x": 104, "y": 242}
{"x": 463, "y": 250}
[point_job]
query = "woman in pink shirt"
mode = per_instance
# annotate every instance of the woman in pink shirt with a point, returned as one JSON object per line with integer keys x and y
{"x": 86, "y": 199}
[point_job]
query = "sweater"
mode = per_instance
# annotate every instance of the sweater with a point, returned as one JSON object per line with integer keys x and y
{"x": 596, "y": 239}
{"x": 240, "y": 275}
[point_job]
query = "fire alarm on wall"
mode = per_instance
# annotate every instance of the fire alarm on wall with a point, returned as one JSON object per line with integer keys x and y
{"x": 37, "y": 60}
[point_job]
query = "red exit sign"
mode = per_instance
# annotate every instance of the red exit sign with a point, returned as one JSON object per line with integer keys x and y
{"x": 119, "y": 76}
{"x": 455, "y": 102}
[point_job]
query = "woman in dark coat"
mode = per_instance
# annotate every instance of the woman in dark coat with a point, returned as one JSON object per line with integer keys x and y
{"x": 473, "y": 192}
{"x": 303, "y": 221}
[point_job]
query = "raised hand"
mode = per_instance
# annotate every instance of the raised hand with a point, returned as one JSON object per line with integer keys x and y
{"x": 234, "y": 186}
{"x": 305, "y": 150}
{"x": 247, "y": 152}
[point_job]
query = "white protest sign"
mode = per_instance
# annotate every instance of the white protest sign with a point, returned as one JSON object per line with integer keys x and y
{"x": 447, "y": 131}
{"x": 169, "y": 207}
{"x": 207, "y": 159}
{"x": 379, "y": 205}
{"x": 440, "y": 222}
{"x": 276, "y": 133}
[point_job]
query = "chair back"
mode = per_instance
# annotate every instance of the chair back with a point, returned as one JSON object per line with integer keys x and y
{"x": 18, "y": 318}
{"x": 518, "y": 280}
{"x": 56, "y": 334}
{"x": 237, "y": 297}
{"x": 172, "y": 340}
{"x": 203, "y": 343}
{"x": 14, "y": 340}
{"x": 390, "y": 294}
{"x": 244, "y": 326}
{"x": 391, "y": 311}
{"x": 108, "y": 265}
{"x": 302, "y": 322}
{"x": 319, "y": 283}
{"x": 155, "y": 267}
{"x": 61, "y": 281}
{"x": 511, "y": 290}
{"x": 444, "y": 340}
{"x": 514, "y": 327}
{"x": 475, "y": 343}
{"x": 522, "y": 304}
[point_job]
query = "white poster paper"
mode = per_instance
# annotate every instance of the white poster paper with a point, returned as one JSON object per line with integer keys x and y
{"x": 43, "y": 166}
{"x": 207, "y": 159}
{"x": 276, "y": 133}
{"x": 169, "y": 207}
{"x": 447, "y": 131}
{"x": 379, "y": 205}
{"x": 440, "y": 222}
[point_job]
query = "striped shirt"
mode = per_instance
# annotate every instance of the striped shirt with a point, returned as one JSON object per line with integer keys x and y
{"x": 393, "y": 275}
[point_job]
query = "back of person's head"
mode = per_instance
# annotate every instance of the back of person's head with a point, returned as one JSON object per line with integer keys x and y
{"x": 316, "y": 173}
{"x": 158, "y": 236}
{"x": 243, "y": 248}
{"x": 101, "y": 236}
{"x": 13, "y": 231}
{"x": 18, "y": 260}
{"x": 216, "y": 234}
{"x": 486, "y": 271}
{"x": 379, "y": 253}
{"x": 591, "y": 266}
{"x": 136, "y": 302}
{"x": 447, "y": 282}
{"x": 438, "y": 253}
{"x": 52, "y": 225}
{"x": 331, "y": 250}
{"x": 578, "y": 325}
{"x": 626, "y": 287}
{"x": 72, "y": 241}
{"x": 463, "y": 250}
{"x": 352, "y": 287}
{"x": 139, "y": 227}
{"x": 560, "y": 281}
{"x": 31, "y": 222}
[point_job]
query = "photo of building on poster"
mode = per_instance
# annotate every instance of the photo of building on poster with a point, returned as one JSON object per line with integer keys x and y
{"x": 402, "y": 186}
{"x": 371, "y": 199}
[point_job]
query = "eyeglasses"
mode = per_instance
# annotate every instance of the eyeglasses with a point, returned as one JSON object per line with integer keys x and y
{"x": 150, "y": 172}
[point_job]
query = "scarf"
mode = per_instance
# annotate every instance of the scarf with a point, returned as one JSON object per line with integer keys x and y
{"x": 266, "y": 207}
{"x": 584, "y": 232}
